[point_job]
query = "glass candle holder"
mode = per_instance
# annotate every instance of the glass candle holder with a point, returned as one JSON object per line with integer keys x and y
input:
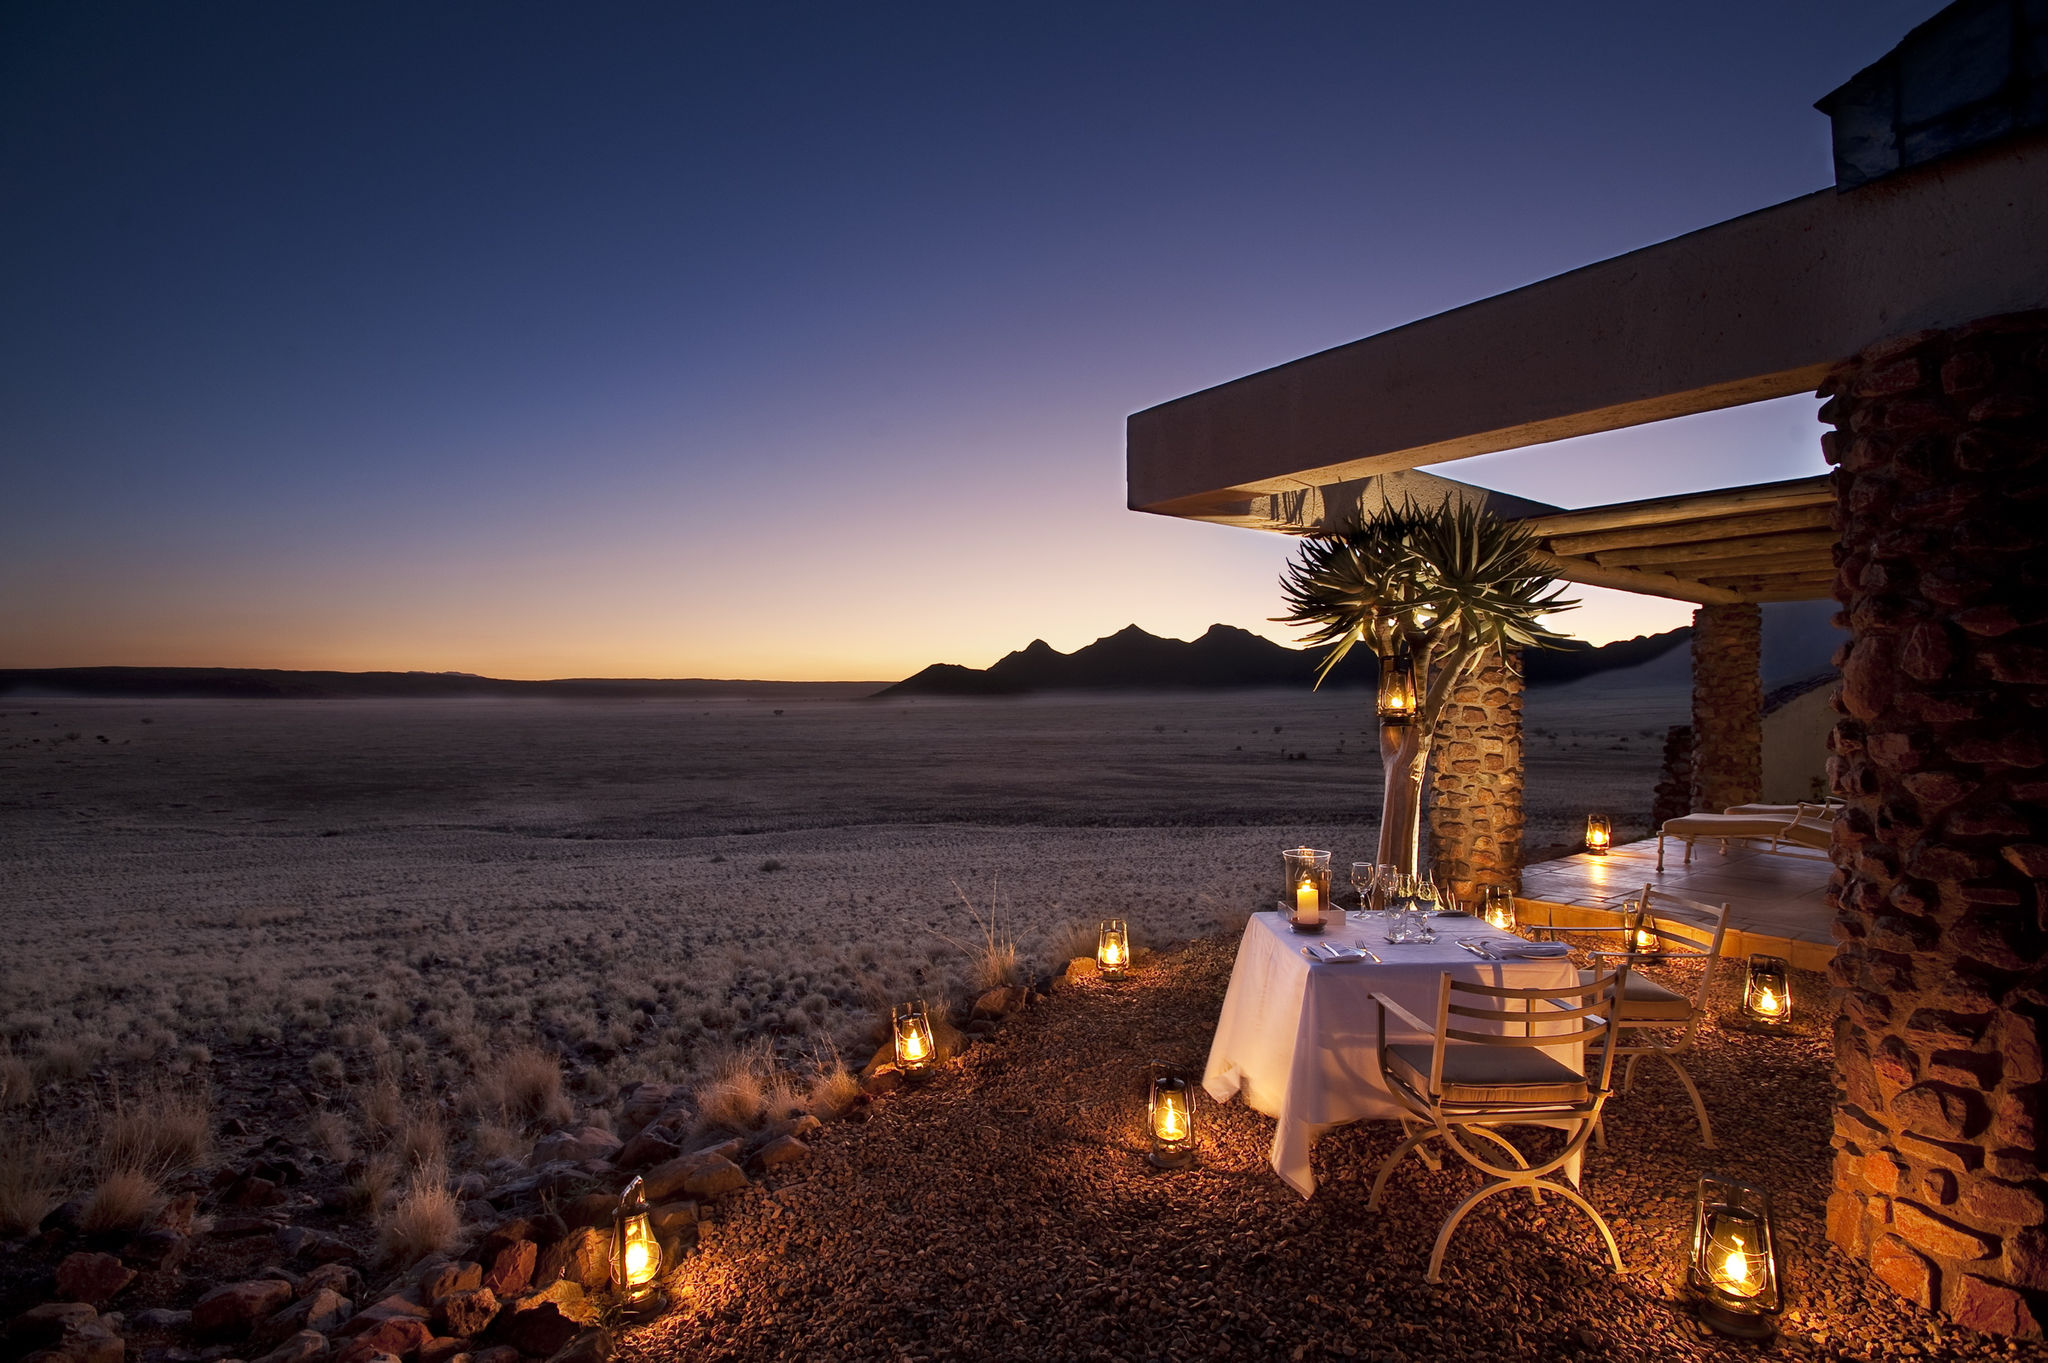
{"x": 1599, "y": 834}
{"x": 912, "y": 1025}
{"x": 1307, "y": 895}
{"x": 1170, "y": 1115}
{"x": 1733, "y": 1269}
{"x": 1767, "y": 990}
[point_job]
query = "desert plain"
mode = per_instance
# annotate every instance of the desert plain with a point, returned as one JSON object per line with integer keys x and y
{"x": 644, "y": 885}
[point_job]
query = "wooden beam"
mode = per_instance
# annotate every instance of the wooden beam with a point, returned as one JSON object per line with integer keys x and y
{"x": 1815, "y": 544}
{"x": 1813, "y": 517}
{"x": 1629, "y": 580}
{"x": 1693, "y": 506}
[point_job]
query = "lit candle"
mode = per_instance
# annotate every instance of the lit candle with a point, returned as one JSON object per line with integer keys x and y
{"x": 1769, "y": 1003}
{"x": 1733, "y": 1274}
{"x": 913, "y": 1045}
{"x": 1170, "y": 1120}
{"x": 1308, "y": 906}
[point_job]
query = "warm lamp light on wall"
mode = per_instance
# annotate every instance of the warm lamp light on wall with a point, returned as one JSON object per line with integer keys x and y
{"x": 1113, "y": 949}
{"x": 1599, "y": 834}
{"x": 1734, "y": 1264}
{"x": 1397, "y": 703}
{"x": 911, "y": 1025}
{"x": 1170, "y": 1114}
{"x": 636, "y": 1254}
{"x": 1767, "y": 990}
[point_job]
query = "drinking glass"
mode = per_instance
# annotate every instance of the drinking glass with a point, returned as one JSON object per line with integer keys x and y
{"x": 1364, "y": 876}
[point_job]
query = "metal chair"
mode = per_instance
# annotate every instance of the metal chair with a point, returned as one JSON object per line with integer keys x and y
{"x": 1656, "y": 1020}
{"x": 1488, "y": 1069}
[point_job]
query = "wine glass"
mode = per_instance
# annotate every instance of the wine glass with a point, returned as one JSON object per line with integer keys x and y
{"x": 1364, "y": 875}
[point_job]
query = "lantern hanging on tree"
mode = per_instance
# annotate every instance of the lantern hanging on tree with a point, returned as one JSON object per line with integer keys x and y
{"x": 1397, "y": 702}
{"x": 1113, "y": 949}
{"x": 1171, "y": 1116}
{"x": 912, "y": 1025}
{"x": 1767, "y": 990}
{"x": 1734, "y": 1265}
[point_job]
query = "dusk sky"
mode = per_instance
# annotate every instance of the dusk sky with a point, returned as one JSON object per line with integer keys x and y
{"x": 787, "y": 341}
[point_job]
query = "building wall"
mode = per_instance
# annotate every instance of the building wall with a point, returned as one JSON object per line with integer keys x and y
{"x": 1796, "y": 747}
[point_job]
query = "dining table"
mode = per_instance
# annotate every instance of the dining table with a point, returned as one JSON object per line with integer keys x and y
{"x": 1299, "y": 1039}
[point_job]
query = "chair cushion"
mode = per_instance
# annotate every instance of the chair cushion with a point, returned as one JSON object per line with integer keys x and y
{"x": 1643, "y": 999}
{"x": 1480, "y": 1074}
{"x": 1725, "y": 826}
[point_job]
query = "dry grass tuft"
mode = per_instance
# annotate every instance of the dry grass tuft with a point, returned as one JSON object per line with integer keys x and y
{"x": 992, "y": 962}
{"x": 1075, "y": 938}
{"x": 832, "y": 1092}
{"x": 121, "y": 1201}
{"x": 370, "y": 1189}
{"x": 162, "y": 1129}
{"x": 424, "y": 1220}
{"x": 329, "y": 1133}
{"x": 525, "y": 1086}
{"x": 492, "y": 1140}
{"x": 17, "y": 1079}
{"x": 383, "y": 1107}
{"x": 64, "y": 1060}
{"x": 28, "y": 1183}
{"x": 423, "y": 1140}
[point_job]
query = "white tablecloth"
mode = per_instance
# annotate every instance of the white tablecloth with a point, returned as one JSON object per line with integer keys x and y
{"x": 1300, "y": 1041}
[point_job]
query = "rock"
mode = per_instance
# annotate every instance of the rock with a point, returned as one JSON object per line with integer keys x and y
{"x": 470, "y": 1185}
{"x": 644, "y": 1103}
{"x": 231, "y": 1309}
{"x": 999, "y": 1002}
{"x": 314, "y": 1246}
{"x": 704, "y": 1175}
{"x": 591, "y": 1346}
{"x": 443, "y": 1348}
{"x": 443, "y": 1279}
{"x": 241, "y": 1227}
{"x": 63, "y": 1219}
{"x": 1083, "y": 968}
{"x": 784, "y": 1152}
{"x": 497, "y": 1353}
{"x": 590, "y": 1142}
{"x": 67, "y": 1330}
{"x": 542, "y": 1322}
{"x": 92, "y": 1277}
{"x": 800, "y": 1126}
{"x": 582, "y": 1257}
{"x": 339, "y": 1279}
{"x": 307, "y": 1346}
{"x": 158, "y": 1249}
{"x": 161, "y": 1318}
{"x": 394, "y": 1307}
{"x": 466, "y": 1313}
{"x": 672, "y": 1218}
{"x": 323, "y": 1310}
{"x": 177, "y": 1214}
{"x": 511, "y": 1269}
{"x": 251, "y": 1191}
{"x": 397, "y": 1335}
{"x": 645, "y": 1150}
{"x": 882, "y": 1082}
{"x": 592, "y": 1209}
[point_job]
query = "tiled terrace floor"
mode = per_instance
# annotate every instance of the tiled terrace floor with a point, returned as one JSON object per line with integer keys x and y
{"x": 1777, "y": 903}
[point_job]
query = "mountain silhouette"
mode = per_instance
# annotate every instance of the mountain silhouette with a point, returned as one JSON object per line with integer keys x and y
{"x": 1226, "y": 657}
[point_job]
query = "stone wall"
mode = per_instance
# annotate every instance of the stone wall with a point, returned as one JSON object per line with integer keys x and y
{"x": 1727, "y": 705}
{"x": 1673, "y": 796}
{"x": 1942, "y": 753}
{"x": 1475, "y": 802}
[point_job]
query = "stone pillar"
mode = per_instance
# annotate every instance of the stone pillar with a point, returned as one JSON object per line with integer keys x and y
{"x": 1673, "y": 796}
{"x": 1727, "y": 706}
{"x": 1941, "y": 879}
{"x": 1475, "y": 799}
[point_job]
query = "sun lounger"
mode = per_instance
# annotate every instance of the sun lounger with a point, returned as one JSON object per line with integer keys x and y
{"x": 1810, "y": 827}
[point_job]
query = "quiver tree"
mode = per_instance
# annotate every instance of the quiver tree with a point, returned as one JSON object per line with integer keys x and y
{"x": 1432, "y": 591}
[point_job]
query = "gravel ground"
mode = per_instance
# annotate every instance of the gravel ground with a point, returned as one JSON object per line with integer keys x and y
{"x": 1004, "y": 1211}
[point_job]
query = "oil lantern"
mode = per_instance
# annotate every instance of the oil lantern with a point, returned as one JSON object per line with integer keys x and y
{"x": 1767, "y": 992}
{"x": 1397, "y": 702}
{"x": 1172, "y": 1119}
{"x": 912, "y": 1025}
{"x": 1734, "y": 1266}
{"x": 1599, "y": 834}
{"x": 636, "y": 1254}
{"x": 1113, "y": 949}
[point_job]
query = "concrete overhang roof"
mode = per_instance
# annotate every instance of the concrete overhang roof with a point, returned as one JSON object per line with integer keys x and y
{"x": 1758, "y": 307}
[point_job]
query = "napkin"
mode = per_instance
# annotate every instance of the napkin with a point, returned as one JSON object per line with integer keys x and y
{"x": 1530, "y": 950}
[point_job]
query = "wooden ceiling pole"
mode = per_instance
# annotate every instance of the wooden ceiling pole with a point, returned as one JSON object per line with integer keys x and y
{"x": 1630, "y": 580}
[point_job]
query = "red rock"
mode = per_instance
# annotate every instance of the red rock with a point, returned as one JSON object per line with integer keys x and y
{"x": 90, "y": 1277}
{"x": 394, "y": 1307}
{"x": 1905, "y": 1272}
{"x": 783, "y": 1152}
{"x": 398, "y": 1336}
{"x": 339, "y": 1279}
{"x": 542, "y": 1322}
{"x": 1993, "y": 1308}
{"x": 1940, "y": 1236}
{"x": 231, "y": 1309}
{"x": 585, "y": 1143}
{"x": 511, "y": 1269}
{"x": 63, "y": 1332}
{"x": 323, "y": 1310}
{"x": 644, "y": 1151}
{"x": 307, "y": 1346}
{"x": 442, "y": 1279}
{"x": 466, "y": 1313}
{"x": 582, "y": 1257}
{"x": 589, "y": 1346}
{"x": 443, "y": 1350}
